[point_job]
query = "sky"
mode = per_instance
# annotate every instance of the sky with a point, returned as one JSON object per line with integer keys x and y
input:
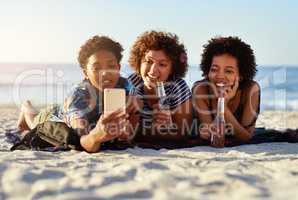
{"x": 52, "y": 31}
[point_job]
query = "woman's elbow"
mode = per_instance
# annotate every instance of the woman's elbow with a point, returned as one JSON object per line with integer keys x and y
{"x": 89, "y": 145}
{"x": 91, "y": 149}
{"x": 246, "y": 137}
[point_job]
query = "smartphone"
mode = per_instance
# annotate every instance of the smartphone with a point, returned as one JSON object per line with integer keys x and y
{"x": 114, "y": 98}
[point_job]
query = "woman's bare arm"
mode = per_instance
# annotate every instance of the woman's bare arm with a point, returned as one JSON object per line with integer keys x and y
{"x": 182, "y": 118}
{"x": 90, "y": 141}
{"x": 108, "y": 127}
{"x": 201, "y": 107}
{"x": 244, "y": 129}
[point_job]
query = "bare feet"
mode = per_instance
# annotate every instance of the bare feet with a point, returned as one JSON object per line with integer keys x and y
{"x": 27, "y": 108}
{"x": 21, "y": 124}
{"x": 26, "y": 118}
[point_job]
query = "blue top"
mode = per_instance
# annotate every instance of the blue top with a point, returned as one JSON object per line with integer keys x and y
{"x": 85, "y": 102}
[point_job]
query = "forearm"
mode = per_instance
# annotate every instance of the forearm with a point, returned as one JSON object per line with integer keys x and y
{"x": 239, "y": 131}
{"x": 92, "y": 141}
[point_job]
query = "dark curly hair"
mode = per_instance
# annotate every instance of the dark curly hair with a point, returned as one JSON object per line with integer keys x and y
{"x": 168, "y": 42}
{"x": 235, "y": 47}
{"x": 96, "y": 44}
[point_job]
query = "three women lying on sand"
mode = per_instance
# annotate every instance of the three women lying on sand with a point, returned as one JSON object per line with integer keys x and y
{"x": 184, "y": 116}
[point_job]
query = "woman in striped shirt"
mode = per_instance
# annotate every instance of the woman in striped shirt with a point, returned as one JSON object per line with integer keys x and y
{"x": 158, "y": 58}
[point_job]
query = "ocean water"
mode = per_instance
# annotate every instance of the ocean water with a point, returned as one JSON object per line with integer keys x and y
{"x": 50, "y": 83}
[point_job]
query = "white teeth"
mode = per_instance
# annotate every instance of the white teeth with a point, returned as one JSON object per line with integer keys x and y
{"x": 152, "y": 77}
{"x": 220, "y": 84}
{"x": 106, "y": 81}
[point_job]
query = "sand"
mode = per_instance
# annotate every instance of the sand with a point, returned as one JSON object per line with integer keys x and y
{"x": 245, "y": 172}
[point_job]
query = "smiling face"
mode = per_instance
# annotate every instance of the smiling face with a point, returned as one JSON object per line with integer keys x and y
{"x": 224, "y": 69}
{"x": 102, "y": 70}
{"x": 156, "y": 66}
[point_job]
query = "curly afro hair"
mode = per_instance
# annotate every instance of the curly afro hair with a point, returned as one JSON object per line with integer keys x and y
{"x": 96, "y": 44}
{"x": 235, "y": 47}
{"x": 167, "y": 42}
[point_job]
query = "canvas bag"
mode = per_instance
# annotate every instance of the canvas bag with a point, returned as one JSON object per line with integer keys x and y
{"x": 55, "y": 135}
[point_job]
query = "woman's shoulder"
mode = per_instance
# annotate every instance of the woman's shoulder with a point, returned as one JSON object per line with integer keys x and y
{"x": 79, "y": 95}
{"x": 253, "y": 83}
{"x": 251, "y": 86}
{"x": 200, "y": 86}
{"x": 180, "y": 81}
{"x": 81, "y": 88}
{"x": 177, "y": 86}
{"x": 178, "y": 92}
{"x": 135, "y": 79}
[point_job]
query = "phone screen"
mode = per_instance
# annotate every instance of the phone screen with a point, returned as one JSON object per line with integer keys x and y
{"x": 114, "y": 98}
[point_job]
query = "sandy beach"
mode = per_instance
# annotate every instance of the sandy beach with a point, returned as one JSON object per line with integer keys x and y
{"x": 263, "y": 171}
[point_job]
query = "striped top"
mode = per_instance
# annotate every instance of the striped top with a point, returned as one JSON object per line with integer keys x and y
{"x": 177, "y": 92}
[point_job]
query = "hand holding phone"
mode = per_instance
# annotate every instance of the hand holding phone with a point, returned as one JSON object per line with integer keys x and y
{"x": 115, "y": 100}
